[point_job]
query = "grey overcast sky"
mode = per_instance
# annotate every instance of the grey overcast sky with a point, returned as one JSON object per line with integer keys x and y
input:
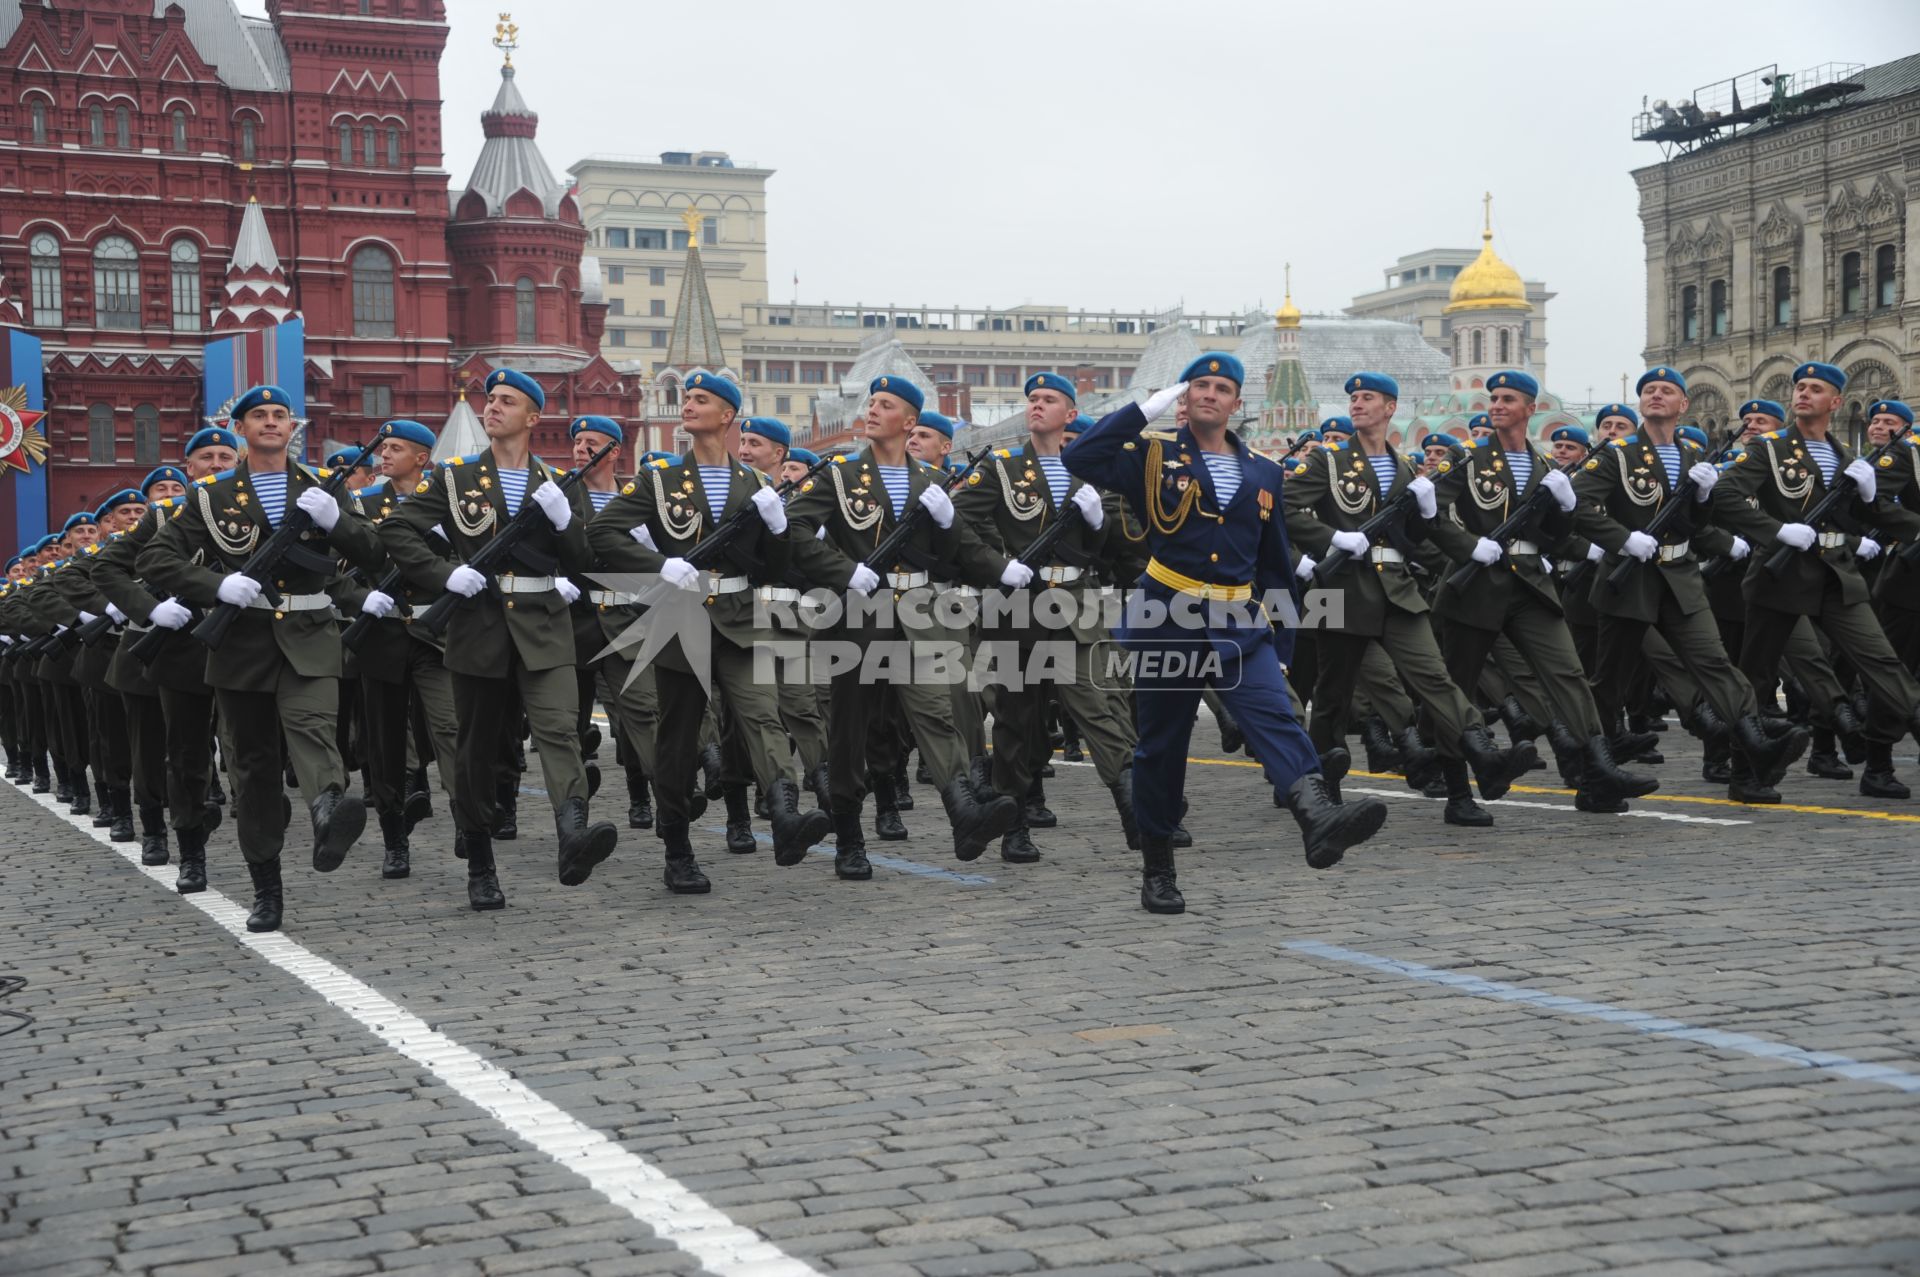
{"x": 1139, "y": 154}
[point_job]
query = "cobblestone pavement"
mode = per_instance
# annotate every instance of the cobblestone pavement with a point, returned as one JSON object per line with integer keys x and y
{"x": 960, "y": 1069}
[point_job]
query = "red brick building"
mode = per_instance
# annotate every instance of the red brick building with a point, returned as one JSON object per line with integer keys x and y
{"x": 133, "y": 136}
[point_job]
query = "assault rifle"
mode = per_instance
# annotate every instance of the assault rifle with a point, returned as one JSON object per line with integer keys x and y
{"x": 1679, "y": 504}
{"x": 887, "y": 553}
{"x": 730, "y": 528}
{"x": 1838, "y": 495}
{"x": 1386, "y": 522}
{"x": 1510, "y": 530}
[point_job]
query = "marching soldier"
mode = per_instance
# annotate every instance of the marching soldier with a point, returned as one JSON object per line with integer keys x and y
{"x": 1897, "y": 590}
{"x": 512, "y": 634}
{"x": 279, "y": 668}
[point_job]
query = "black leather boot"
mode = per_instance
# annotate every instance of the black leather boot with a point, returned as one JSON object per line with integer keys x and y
{"x": 1421, "y": 764}
{"x": 1878, "y": 781}
{"x": 850, "y": 846}
{"x": 1745, "y": 787}
{"x": 887, "y": 825}
{"x": 1716, "y": 761}
{"x": 418, "y": 804}
{"x": 103, "y": 810}
{"x": 1232, "y": 739}
{"x": 1328, "y": 828}
{"x": 1605, "y": 780}
{"x": 1461, "y": 809}
{"x": 1037, "y": 814}
{"x": 593, "y": 779}
{"x": 1382, "y": 754}
{"x": 1569, "y": 755}
{"x": 920, "y": 772}
{"x": 976, "y": 824}
{"x": 761, "y": 807}
{"x": 639, "y": 800}
{"x": 1708, "y": 724}
{"x": 582, "y": 846}
{"x": 153, "y": 834}
{"x": 506, "y": 811}
{"x": 1823, "y": 758}
{"x": 980, "y": 779}
{"x": 396, "y": 861}
{"x": 1495, "y": 770}
{"x": 42, "y": 780}
{"x": 483, "y": 881}
{"x": 1016, "y": 846}
{"x": 1181, "y": 838}
{"x": 1333, "y": 769}
{"x": 1070, "y": 751}
{"x": 1158, "y": 890}
{"x": 712, "y": 766}
{"x": 122, "y": 828}
{"x": 682, "y": 873}
{"x": 902, "y": 790}
{"x": 795, "y": 832}
{"x": 821, "y": 785}
{"x": 193, "y": 862}
{"x": 215, "y": 794}
{"x": 1122, "y": 791}
{"x": 1520, "y": 724}
{"x": 740, "y": 840}
{"x": 267, "y": 899}
{"x": 79, "y": 801}
{"x": 338, "y": 821}
{"x": 1769, "y": 750}
{"x": 590, "y": 741}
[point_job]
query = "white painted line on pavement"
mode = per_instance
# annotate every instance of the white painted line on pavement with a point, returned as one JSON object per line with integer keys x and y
{"x": 674, "y": 1212}
{"x": 1564, "y": 808}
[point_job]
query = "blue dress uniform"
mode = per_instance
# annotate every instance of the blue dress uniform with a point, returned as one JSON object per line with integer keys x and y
{"x": 1211, "y": 564}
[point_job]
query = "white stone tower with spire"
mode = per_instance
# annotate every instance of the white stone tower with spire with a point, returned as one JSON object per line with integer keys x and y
{"x": 1487, "y": 310}
{"x": 256, "y": 294}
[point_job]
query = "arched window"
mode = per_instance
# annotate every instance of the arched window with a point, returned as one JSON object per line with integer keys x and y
{"x": 524, "y": 319}
{"x": 100, "y": 434}
{"x": 1853, "y": 288}
{"x": 39, "y": 109}
{"x": 393, "y": 147}
{"x": 1782, "y": 296}
{"x": 1883, "y": 287}
{"x": 372, "y": 292}
{"x": 122, "y": 128}
{"x": 346, "y": 143}
{"x": 369, "y": 153}
{"x": 179, "y": 131}
{"x": 185, "y": 256}
{"x": 1459, "y": 346}
{"x": 1718, "y": 314}
{"x": 45, "y": 255}
{"x": 96, "y": 125}
{"x": 1689, "y": 313}
{"x": 248, "y": 140}
{"x": 116, "y": 283}
{"x": 1479, "y": 349}
{"x": 146, "y": 435}
{"x": 1505, "y": 338}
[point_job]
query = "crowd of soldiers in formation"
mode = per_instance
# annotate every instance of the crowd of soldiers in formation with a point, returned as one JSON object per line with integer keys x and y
{"x": 291, "y": 626}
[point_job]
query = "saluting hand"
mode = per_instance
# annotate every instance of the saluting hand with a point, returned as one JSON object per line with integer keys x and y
{"x": 1160, "y": 400}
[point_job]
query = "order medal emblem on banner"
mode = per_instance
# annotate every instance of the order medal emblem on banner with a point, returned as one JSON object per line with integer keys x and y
{"x": 20, "y": 443}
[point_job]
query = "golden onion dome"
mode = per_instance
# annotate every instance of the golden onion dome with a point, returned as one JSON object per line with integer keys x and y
{"x": 1487, "y": 283}
{"x": 1288, "y": 316}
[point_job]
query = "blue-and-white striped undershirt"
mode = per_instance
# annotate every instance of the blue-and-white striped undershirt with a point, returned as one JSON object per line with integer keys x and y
{"x": 1225, "y": 469}
{"x": 271, "y": 487}
{"x": 1670, "y": 458}
{"x": 716, "y": 480}
{"x": 1383, "y": 470}
{"x": 898, "y": 484}
{"x": 1521, "y": 463}
{"x": 1057, "y": 478}
{"x": 513, "y": 489}
{"x": 601, "y": 499}
{"x": 1825, "y": 457}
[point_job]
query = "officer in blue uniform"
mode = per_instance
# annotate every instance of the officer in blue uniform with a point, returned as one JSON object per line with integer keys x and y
{"x": 1215, "y": 524}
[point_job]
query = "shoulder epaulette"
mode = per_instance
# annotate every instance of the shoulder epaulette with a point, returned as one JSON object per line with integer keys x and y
{"x": 1164, "y": 436}
{"x": 1771, "y": 434}
{"x": 321, "y": 471}
{"x": 1003, "y": 453}
{"x": 840, "y": 460}
{"x": 1621, "y": 442}
{"x": 207, "y": 480}
{"x": 166, "y": 503}
{"x": 627, "y": 489}
{"x": 661, "y": 463}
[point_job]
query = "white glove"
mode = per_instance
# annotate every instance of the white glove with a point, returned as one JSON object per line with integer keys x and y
{"x": 1088, "y": 499}
{"x": 644, "y": 535}
{"x": 1304, "y": 568}
{"x": 1797, "y": 535}
{"x": 569, "y": 592}
{"x": 1422, "y": 489}
{"x": 681, "y": 575}
{"x": 553, "y": 503}
{"x": 1160, "y": 400}
{"x": 1486, "y": 551}
{"x": 1015, "y": 575}
{"x": 7, "y": 639}
{"x": 1739, "y": 549}
{"x": 773, "y": 511}
{"x": 59, "y": 629}
{"x": 466, "y": 581}
{"x": 1863, "y": 477}
{"x": 864, "y": 579}
{"x": 1561, "y": 487}
{"x": 377, "y": 603}
{"x": 119, "y": 617}
{"x": 169, "y": 614}
{"x": 238, "y": 589}
{"x": 87, "y": 618}
{"x": 1704, "y": 477}
{"x": 1595, "y": 553}
{"x": 938, "y": 504}
{"x": 1640, "y": 546}
{"x": 1351, "y": 544}
{"x": 1867, "y": 549}
{"x": 319, "y": 507}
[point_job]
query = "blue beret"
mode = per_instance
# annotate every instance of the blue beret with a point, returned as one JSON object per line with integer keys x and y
{"x": 899, "y": 388}
{"x": 1695, "y": 434}
{"x": 160, "y": 474}
{"x": 1821, "y": 372}
{"x": 1051, "y": 381}
{"x": 1479, "y": 421}
{"x": 1893, "y": 406}
{"x": 14, "y": 561}
{"x": 1416, "y": 459}
{"x": 1571, "y": 434}
{"x": 1766, "y": 407}
{"x": 1216, "y": 364}
{"x": 768, "y": 428}
{"x": 940, "y": 422}
{"x": 1081, "y": 423}
{"x": 1617, "y": 410}
{"x": 256, "y": 397}
{"x": 1311, "y": 433}
{"x": 1513, "y": 379}
{"x": 649, "y": 457}
{"x": 77, "y": 518}
{"x": 126, "y": 496}
{"x": 805, "y": 456}
{"x": 411, "y": 431}
{"x": 1438, "y": 440}
{"x": 1669, "y": 375}
{"x": 211, "y": 436}
{"x": 513, "y": 379}
{"x": 1343, "y": 424}
{"x": 340, "y": 459}
{"x": 714, "y": 384}
{"x": 1377, "y": 381}
{"x": 605, "y": 425}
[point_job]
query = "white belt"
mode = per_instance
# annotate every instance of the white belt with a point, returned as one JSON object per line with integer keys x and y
{"x": 777, "y": 594}
{"x": 1385, "y": 554}
{"x": 1674, "y": 553}
{"x": 613, "y": 598}
{"x": 510, "y": 584}
{"x": 1523, "y": 547}
{"x": 293, "y": 603}
{"x": 1828, "y": 540}
{"x": 964, "y": 591}
{"x": 727, "y": 584}
{"x": 1057, "y": 575}
{"x": 906, "y": 580}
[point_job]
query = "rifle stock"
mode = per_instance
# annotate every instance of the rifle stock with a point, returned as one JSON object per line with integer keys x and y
{"x": 1837, "y": 496}
{"x": 1680, "y": 501}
